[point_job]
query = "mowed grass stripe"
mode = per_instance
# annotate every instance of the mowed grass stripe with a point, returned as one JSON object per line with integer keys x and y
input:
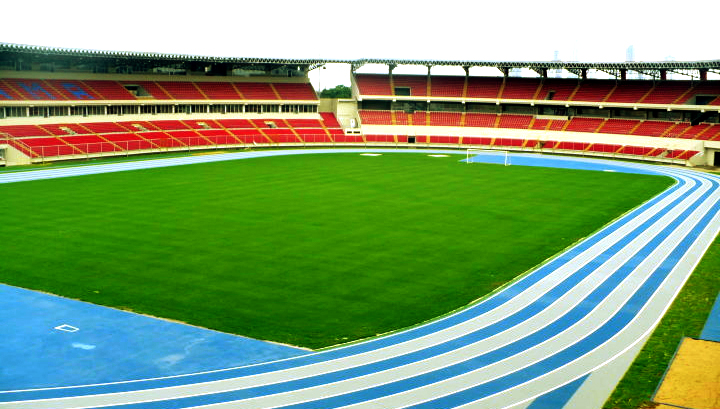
{"x": 310, "y": 250}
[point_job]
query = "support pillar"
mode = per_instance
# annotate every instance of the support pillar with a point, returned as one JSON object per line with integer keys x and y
{"x": 663, "y": 75}
{"x": 623, "y": 74}
{"x": 703, "y": 74}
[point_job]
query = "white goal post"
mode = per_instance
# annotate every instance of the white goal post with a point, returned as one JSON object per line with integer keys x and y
{"x": 504, "y": 154}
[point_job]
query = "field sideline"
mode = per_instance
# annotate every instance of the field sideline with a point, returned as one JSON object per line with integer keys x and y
{"x": 288, "y": 249}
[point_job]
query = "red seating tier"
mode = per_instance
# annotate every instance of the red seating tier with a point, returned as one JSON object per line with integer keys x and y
{"x": 295, "y": 91}
{"x": 256, "y": 90}
{"x": 618, "y": 126}
{"x": 181, "y": 90}
{"x": 562, "y": 89}
{"x": 652, "y": 128}
{"x": 373, "y": 84}
{"x": 481, "y": 87}
{"x": 584, "y": 124}
{"x": 594, "y": 91}
{"x": 330, "y": 120}
{"x": 520, "y": 88}
{"x": 24, "y": 130}
{"x": 446, "y": 86}
{"x": 416, "y": 83}
{"x": 110, "y": 90}
{"x": 630, "y": 91}
{"x": 445, "y": 118}
{"x": 515, "y": 121}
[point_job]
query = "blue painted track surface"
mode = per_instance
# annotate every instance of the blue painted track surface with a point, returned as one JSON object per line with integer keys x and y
{"x": 109, "y": 345}
{"x": 541, "y": 336}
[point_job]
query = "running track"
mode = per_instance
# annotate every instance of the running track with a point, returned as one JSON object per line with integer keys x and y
{"x": 581, "y": 316}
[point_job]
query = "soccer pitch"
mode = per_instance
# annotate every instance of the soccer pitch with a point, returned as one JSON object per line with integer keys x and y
{"x": 310, "y": 250}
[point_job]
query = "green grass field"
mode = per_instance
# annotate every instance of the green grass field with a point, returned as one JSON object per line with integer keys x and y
{"x": 310, "y": 250}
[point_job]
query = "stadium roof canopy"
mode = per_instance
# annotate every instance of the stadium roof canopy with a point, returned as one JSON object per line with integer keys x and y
{"x": 146, "y": 59}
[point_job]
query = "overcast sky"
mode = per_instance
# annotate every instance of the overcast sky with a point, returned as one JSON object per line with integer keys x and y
{"x": 440, "y": 30}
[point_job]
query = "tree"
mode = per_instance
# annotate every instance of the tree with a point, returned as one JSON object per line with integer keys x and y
{"x": 340, "y": 91}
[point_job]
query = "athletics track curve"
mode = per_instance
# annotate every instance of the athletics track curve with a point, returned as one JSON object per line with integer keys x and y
{"x": 585, "y": 312}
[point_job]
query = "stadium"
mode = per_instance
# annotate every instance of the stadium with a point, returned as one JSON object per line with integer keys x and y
{"x": 505, "y": 241}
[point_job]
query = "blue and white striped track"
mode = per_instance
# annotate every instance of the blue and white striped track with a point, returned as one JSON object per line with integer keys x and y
{"x": 585, "y": 309}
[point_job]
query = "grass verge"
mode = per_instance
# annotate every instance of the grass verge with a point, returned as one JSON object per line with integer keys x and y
{"x": 685, "y": 318}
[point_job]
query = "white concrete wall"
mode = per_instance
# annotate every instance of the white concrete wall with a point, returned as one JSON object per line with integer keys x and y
{"x": 14, "y": 157}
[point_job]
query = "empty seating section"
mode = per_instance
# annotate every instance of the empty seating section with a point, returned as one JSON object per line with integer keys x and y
{"x": 7, "y": 93}
{"x": 369, "y": 117}
{"x": 401, "y": 118}
{"x": 540, "y": 124}
{"x": 219, "y": 90}
{"x": 520, "y": 88}
{"x": 110, "y": 90}
{"x": 330, "y": 120}
{"x": 446, "y": 86}
{"x": 593, "y": 91}
{"x": 105, "y": 127}
{"x": 90, "y": 143}
{"x": 556, "y": 125}
{"x": 72, "y": 90}
{"x": 419, "y": 118}
{"x": 106, "y": 137}
{"x": 218, "y": 136}
{"x": 256, "y": 90}
{"x": 313, "y": 135}
{"x": 373, "y": 84}
{"x": 236, "y": 123}
{"x": 630, "y": 91}
{"x": 181, "y": 90}
{"x": 150, "y": 87}
{"x": 75, "y": 90}
{"x": 557, "y": 89}
{"x": 708, "y": 89}
{"x": 666, "y": 92}
{"x": 130, "y": 142}
{"x": 48, "y": 147}
{"x": 249, "y": 136}
{"x": 515, "y": 121}
{"x": 652, "y": 128}
{"x": 453, "y": 140}
{"x": 24, "y": 130}
{"x": 474, "y": 140}
{"x": 508, "y": 142}
{"x": 170, "y": 125}
{"x": 445, "y": 118}
{"x": 604, "y": 148}
{"x": 416, "y": 83}
{"x": 30, "y": 89}
{"x": 480, "y": 87}
{"x": 295, "y": 91}
{"x": 480, "y": 120}
{"x": 160, "y": 139}
{"x": 304, "y": 123}
{"x": 584, "y": 124}
{"x": 138, "y": 126}
{"x": 619, "y": 126}
{"x": 65, "y": 129}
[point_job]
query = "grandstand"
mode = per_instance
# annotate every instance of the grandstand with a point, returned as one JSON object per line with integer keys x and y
{"x": 60, "y": 104}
